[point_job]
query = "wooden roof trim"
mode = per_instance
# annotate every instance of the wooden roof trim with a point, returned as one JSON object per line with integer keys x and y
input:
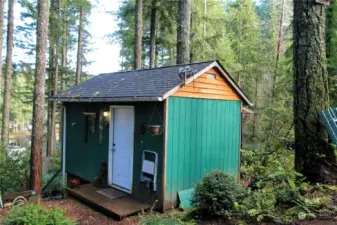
{"x": 217, "y": 65}
{"x": 233, "y": 84}
{"x": 189, "y": 80}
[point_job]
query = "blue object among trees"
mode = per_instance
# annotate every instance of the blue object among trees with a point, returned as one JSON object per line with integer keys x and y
{"x": 329, "y": 119}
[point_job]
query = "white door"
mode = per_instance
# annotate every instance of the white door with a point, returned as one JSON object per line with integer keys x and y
{"x": 122, "y": 147}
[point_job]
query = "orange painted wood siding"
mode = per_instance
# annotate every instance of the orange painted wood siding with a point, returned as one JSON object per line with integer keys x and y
{"x": 208, "y": 88}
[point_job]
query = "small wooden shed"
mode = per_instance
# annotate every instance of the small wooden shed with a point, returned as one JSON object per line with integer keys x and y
{"x": 158, "y": 130}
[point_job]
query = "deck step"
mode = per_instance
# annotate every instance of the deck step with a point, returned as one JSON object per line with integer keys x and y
{"x": 118, "y": 208}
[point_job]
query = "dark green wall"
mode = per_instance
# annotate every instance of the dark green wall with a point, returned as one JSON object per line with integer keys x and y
{"x": 203, "y": 135}
{"x": 83, "y": 159}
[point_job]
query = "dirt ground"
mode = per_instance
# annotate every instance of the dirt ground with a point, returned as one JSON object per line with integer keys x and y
{"x": 85, "y": 215}
{"x": 317, "y": 222}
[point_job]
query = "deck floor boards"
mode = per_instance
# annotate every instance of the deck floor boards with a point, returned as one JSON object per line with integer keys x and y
{"x": 118, "y": 207}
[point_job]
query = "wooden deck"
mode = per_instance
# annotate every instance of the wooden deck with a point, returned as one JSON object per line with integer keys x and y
{"x": 118, "y": 207}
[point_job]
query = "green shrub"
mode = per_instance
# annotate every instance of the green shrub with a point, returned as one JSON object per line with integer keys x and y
{"x": 33, "y": 214}
{"x": 155, "y": 219}
{"x": 285, "y": 193}
{"x": 55, "y": 187}
{"x": 55, "y": 160}
{"x": 217, "y": 192}
{"x": 14, "y": 170}
{"x": 259, "y": 204}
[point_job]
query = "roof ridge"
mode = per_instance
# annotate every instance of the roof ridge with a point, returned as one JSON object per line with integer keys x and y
{"x": 186, "y": 64}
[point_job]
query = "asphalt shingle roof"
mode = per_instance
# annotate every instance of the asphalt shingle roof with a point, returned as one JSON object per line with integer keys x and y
{"x": 134, "y": 84}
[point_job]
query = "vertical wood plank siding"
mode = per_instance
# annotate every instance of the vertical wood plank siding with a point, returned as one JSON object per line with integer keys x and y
{"x": 203, "y": 135}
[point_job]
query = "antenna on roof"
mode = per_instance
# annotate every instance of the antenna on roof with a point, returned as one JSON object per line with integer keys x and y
{"x": 184, "y": 73}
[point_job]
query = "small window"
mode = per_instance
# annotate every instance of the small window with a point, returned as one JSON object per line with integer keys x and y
{"x": 211, "y": 76}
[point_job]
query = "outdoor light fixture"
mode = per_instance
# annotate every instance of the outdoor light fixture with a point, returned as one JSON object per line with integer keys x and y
{"x": 106, "y": 115}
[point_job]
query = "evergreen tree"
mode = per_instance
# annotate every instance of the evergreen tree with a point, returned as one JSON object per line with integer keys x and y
{"x": 39, "y": 87}
{"x": 311, "y": 91}
{"x": 138, "y": 35}
{"x": 183, "y": 31}
{"x": 54, "y": 33}
{"x": 153, "y": 37}
{"x": 331, "y": 43}
{"x": 8, "y": 75}
{"x": 2, "y": 6}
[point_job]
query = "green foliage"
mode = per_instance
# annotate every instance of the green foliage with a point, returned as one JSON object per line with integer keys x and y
{"x": 217, "y": 193}
{"x": 14, "y": 170}
{"x": 33, "y": 214}
{"x": 331, "y": 44}
{"x": 56, "y": 159}
{"x": 156, "y": 219}
{"x": 174, "y": 218}
{"x": 280, "y": 194}
{"x": 56, "y": 186}
{"x": 259, "y": 204}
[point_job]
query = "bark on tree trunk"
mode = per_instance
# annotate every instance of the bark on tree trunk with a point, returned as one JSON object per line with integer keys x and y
{"x": 311, "y": 91}
{"x": 280, "y": 38}
{"x": 183, "y": 34}
{"x": 192, "y": 30}
{"x": 256, "y": 109}
{"x": 138, "y": 35}
{"x": 64, "y": 49}
{"x": 79, "y": 47}
{"x": 8, "y": 75}
{"x": 153, "y": 34}
{"x": 39, "y": 87}
{"x": 204, "y": 23}
{"x": 53, "y": 67}
{"x": 2, "y": 6}
{"x": 278, "y": 50}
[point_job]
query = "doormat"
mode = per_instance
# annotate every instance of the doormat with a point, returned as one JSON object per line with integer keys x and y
{"x": 111, "y": 193}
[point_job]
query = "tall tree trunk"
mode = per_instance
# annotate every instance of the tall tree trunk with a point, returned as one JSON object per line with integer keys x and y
{"x": 193, "y": 29}
{"x": 153, "y": 34}
{"x": 256, "y": 108}
{"x": 79, "y": 47}
{"x": 64, "y": 48}
{"x": 8, "y": 76}
{"x": 39, "y": 87}
{"x": 53, "y": 67}
{"x": 204, "y": 26}
{"x": 183, "y": 34}
{"x": 311, "y": 90}
{"x": 278, "y": 49}
{"x": 280, "y": 37}
{"x": 156, "y": 58}
{"x": 2, "y": 7}
{"x": 138, "y": 35}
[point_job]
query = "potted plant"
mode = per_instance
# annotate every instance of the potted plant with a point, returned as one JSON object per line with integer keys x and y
{"x": 155, "y": 129}
{"x": 74, "y": 183}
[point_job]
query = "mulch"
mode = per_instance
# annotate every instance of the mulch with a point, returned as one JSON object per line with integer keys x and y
{"x": 85, "y": 215}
